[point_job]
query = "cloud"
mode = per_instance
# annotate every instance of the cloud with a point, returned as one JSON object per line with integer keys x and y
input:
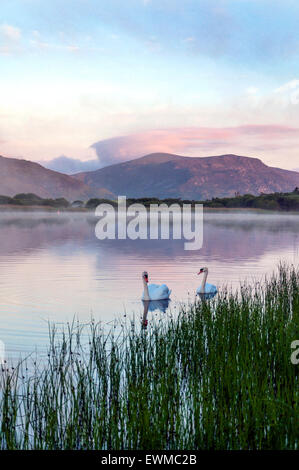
{"x": 9, "y": 39}
{"x": 261, "y": 141}
{"x": 12, "y": 41}
{"x": 10, "y": 33}
{"x": 70, "y": 166}
{"x": 196, "y": 141}
{"x": 252, "y": 90}
{"x": 291, "y": 85}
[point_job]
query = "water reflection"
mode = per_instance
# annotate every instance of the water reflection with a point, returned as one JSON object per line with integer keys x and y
{"x": 52, "y": 267}
{"x": 152, "y": 306}
{"x": 222, "y": 234}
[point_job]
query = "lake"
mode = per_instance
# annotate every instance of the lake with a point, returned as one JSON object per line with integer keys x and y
{"x": 53, "y": 268}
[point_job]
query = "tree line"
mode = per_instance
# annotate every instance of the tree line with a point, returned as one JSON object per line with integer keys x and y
{"x": 275, "y": 201}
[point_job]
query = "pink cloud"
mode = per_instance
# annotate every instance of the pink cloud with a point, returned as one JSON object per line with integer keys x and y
{"x": 198, "y": 141}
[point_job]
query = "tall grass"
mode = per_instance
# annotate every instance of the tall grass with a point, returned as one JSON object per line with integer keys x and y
{"x": 218, "y": 376}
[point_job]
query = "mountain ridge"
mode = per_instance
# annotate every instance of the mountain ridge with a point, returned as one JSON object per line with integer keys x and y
{"x": 161, "y": 175}
{"x": 168, "y": 175}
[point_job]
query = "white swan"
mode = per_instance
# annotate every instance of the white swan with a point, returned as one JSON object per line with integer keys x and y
{"x": 205, "y": 287}
{"x": 154, "y": 291}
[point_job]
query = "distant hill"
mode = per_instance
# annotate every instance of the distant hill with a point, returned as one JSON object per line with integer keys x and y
{"x": 158, "y": 175}
{"x": 23, "y": 176}
{"x": 170, "y": 176}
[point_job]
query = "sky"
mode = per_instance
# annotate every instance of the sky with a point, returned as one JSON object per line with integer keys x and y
{"x": 88, "y": 83}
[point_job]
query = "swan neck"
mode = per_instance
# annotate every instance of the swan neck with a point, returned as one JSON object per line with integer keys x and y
{"x": 145, "y": 291}
{"x": 203, "y": 284}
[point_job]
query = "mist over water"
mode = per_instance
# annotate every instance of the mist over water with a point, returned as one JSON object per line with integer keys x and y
{"x": 53, "y": 268}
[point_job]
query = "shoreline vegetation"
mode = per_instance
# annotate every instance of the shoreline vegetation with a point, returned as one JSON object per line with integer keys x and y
{"x": 217, "y": 376}
{"x": 283, "y": 202}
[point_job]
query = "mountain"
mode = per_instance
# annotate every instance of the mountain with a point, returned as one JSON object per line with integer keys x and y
{"x": 164, "y": 175}
{"x": 159, "y": 175}
{"x": 22, "y": 176}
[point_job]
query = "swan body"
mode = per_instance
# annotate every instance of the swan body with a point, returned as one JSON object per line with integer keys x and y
{"x": 158, "y": 292}
{"x": 205, "y": 287}
{"x": 209, "y": 289}
{"x": 154, "y": 291}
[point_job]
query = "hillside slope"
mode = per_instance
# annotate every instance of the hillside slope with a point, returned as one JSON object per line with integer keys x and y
{"x": 23, "y": 176}
{"x": 165, "y": 175}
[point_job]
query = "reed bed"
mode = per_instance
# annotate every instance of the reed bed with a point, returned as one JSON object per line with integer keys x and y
{"x": 217, "y": 376}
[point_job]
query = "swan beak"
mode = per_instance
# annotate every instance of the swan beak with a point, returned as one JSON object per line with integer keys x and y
{"x": 200, "y": 272}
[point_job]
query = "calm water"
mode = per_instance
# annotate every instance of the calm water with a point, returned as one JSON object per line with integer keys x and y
{"x": 52, "y": 267}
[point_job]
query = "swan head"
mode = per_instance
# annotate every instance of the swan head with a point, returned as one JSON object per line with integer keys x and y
{"x": 145, "y": 276}
{"x": 203, "y": 270}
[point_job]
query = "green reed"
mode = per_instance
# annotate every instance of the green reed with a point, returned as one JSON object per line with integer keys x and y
{"x": 217, "y": 376}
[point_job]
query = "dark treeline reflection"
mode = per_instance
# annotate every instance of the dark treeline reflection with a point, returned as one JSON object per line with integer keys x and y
{"x": 226, "y": 235}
